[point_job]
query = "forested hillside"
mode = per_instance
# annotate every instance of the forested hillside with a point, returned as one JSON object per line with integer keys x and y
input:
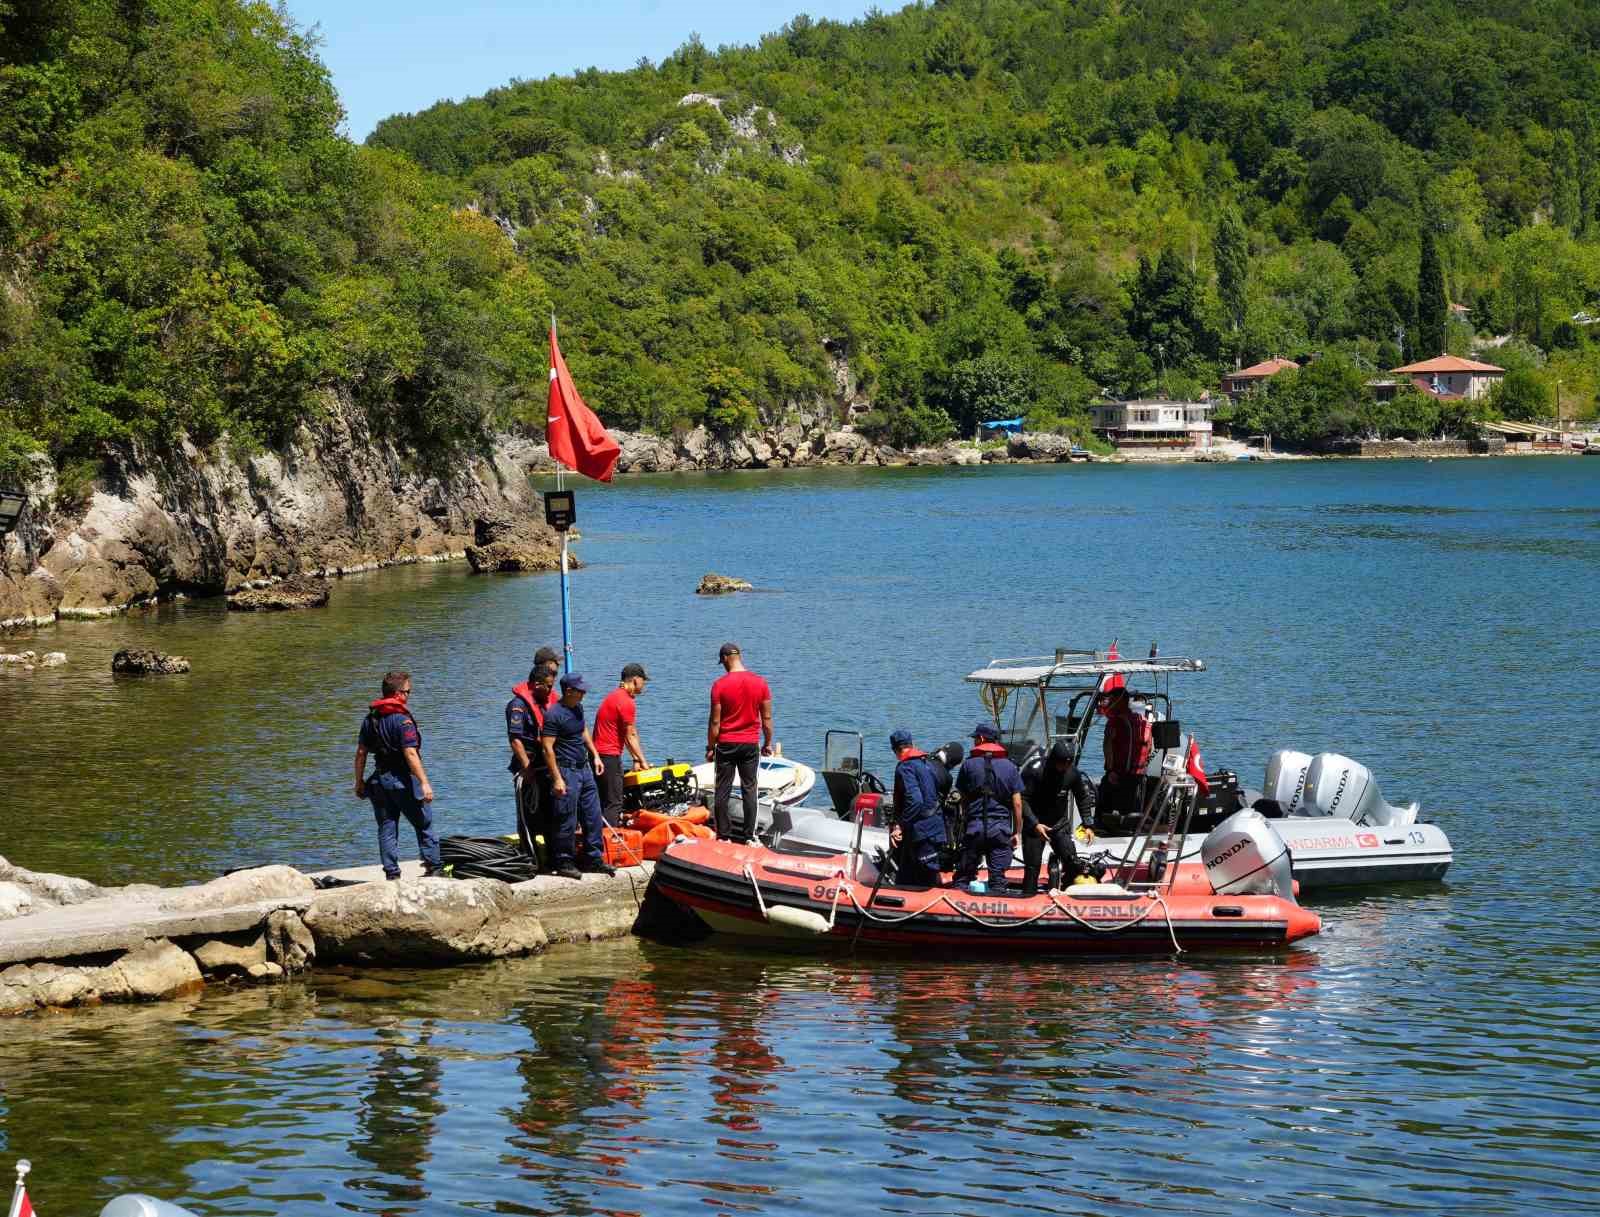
{"x": 989, "y": 206}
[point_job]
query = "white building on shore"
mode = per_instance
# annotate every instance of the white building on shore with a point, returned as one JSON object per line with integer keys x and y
{"x": 1154, "y": 423}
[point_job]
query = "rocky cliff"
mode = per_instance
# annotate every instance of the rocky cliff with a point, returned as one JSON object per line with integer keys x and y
{"x": 336, "y": 499}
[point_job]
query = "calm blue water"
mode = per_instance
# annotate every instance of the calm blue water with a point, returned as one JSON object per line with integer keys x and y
{"x": 1433, "y": 1051}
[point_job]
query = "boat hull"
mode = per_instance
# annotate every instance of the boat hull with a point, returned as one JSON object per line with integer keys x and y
{"x": 718, "y": 881}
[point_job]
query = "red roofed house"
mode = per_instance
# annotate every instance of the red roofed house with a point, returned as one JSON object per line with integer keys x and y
{"x": 1243, "y": 381}
{"x": 1452, "y": 376}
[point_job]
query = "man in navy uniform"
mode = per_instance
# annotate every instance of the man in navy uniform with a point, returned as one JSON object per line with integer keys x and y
{"x": 991, "y": 793}
{"x": 573, "y": 763}
{"x": 399, "y": 785}
{"x": 920, "y": 786}
{"x": 524, "y": 725}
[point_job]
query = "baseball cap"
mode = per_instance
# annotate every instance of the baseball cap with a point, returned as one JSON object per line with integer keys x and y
{"x": 573, "y": 680}
{"x": 728, "y": 648}
{"x": 986, "y": 731}
{"x": 899, "y": 738}
{"x": 630, "y": 670}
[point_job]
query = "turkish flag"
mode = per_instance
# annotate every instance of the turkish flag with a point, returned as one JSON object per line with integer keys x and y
{"x": 575, "y": 434}
{"x": 1107, "y": 683}
{"x": 21, "y": 1206}
{"x": 1195, "y": 769}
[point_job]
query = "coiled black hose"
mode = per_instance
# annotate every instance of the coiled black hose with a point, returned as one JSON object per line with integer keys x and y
{"x": 487, "y": 858}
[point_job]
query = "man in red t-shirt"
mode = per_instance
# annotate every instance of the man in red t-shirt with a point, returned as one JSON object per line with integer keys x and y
{"x": 614, "y": 729}
{"x": 741, "y": 714}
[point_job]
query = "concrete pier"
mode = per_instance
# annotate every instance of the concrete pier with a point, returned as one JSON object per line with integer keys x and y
{"x": 66, "y": 942}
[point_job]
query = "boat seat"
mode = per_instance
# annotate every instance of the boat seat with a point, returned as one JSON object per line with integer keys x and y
{"x": 843, "y": 786}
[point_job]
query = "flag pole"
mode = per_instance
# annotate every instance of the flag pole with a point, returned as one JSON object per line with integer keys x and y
{"x": 23, "y": 1167}
{"x": 566, "y": 611}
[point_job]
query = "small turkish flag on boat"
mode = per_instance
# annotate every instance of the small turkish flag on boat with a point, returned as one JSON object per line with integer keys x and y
{"x": 576, "y": 436}
{"x": 1195, "y": 769}
{"x": 1107, "y": 683}
{"x": 21, "y": 1206}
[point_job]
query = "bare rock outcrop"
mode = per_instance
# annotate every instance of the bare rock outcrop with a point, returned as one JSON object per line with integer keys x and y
{"x": 295, "y": 592}
{"x": 47, "y": 888}
{"x": 712, "y": 584}
{"x": 148, "y": 663}
{"x": 425, "y": 921}
{"x": 231, "y": 955}
{"x": 511, "y": 544}
{"x": 158, "y": 969}
{"x": 1039, "y": 446}
{"x": 290, "y": 944}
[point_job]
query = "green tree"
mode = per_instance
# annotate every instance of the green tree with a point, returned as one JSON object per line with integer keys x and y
{"x": 1565, "y": 193}
{"x": 1231, "y": 251}
{"x": 1432, "y": 307}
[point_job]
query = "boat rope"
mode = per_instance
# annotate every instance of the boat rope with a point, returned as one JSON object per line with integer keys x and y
{"x": 1123, "y": 925}
{"x": 761, "y": 905}
{"x": 833, "y": 912}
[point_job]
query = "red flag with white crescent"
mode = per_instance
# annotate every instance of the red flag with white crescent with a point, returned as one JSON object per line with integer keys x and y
{"x": 576, "y": 436}
{"x": 1195, "y": 768}
{"x": 1107, "y": 683}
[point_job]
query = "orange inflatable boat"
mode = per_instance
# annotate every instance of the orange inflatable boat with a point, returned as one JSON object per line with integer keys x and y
{"x": 753, "y": 891}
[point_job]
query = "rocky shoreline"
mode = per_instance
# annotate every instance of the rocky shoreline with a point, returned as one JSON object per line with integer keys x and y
{"x": 337, "y": 500}
{"x": 65, "y": 941}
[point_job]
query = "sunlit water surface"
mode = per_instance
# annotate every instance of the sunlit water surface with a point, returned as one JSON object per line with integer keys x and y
{"x": 1433, "y": 1051}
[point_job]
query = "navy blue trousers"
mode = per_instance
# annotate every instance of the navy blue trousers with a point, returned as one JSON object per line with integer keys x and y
{"x": 580, "y": 805}
{"x": 389, "y": 803}
{"x": 990, "y": 844}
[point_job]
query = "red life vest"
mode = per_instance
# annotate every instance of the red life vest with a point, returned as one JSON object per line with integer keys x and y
{"x": 909, "y": 754}
{"x": 988, "y": 748}
{"x": 525, "y": 692}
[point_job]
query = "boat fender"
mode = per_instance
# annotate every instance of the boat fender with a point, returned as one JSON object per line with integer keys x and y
{"x": 1091, "y": 888}
{"x": 797, "y": 919}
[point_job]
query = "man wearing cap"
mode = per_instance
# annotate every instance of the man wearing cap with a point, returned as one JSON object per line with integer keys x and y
{"x": 1127, "y": 752}
{"x": 917, "y": 834}
{"x": 1048, "y": 785}
{"x": 524, "y": 725}
{"x": 570, "y": 754}
{"x": 991, "y": 793}
{"x": 741, "y": 714}
{"x": 614, "y": 728}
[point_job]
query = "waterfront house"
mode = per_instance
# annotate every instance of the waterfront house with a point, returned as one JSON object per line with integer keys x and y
{"x": 1450, "y": 376}
{"x": 1247, "y": 380}
{"x": 1155, "y": 423}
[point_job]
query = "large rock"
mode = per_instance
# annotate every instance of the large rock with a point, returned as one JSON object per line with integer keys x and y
{"x": 25, "y": 987}
{"x": 148, "y": 663}
{"x": 845, "y": 448}
{"x": 49, "y": 888}
{"x": 509, "y": 544}
{"x": 424, "y": 921}
{"x": 254, "y": 886}
{"x": 289, "y": 943}
{"x": 154, "y": 971}
{"x": 296, "y": 592}
{"x": 712, "y": 584}
{"x": 645, "y": 454}
{"x": 1039, "y": 446}
{"x": 232, "y": 954}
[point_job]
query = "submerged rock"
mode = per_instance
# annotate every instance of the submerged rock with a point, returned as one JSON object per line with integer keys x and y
{"x": 148, "y": 663}
{"x": 299, "y": 592}
{"x": 718, "y": 585}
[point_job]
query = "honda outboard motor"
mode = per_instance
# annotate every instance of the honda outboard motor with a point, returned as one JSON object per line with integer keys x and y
{"x": 1337, "y": 786}
{"x": 1244, "y": 856}
{"x": 1285, "y": 782}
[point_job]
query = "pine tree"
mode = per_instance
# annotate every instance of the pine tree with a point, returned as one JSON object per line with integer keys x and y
{"x": 1231, "y": 252}
{"x": 1431, "y": 303}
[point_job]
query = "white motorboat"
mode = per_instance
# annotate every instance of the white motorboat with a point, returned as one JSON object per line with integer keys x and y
{"x": 1339, "y": 829}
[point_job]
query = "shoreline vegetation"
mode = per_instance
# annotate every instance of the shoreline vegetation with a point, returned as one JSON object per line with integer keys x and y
{"x": 236, "y": 346}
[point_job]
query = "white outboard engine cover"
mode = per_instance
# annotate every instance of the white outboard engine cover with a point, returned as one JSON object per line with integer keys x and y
{"x": 1338, "y": 786}
{"x": 1244, "y": 856}
{"x": 1285, "y": 783}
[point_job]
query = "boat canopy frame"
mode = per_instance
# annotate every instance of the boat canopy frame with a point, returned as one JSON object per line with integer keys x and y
{"x": 1081, "y": 674}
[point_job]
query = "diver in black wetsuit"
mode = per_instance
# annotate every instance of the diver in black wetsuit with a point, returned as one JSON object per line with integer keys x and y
{"x": 1048, "y": 783}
